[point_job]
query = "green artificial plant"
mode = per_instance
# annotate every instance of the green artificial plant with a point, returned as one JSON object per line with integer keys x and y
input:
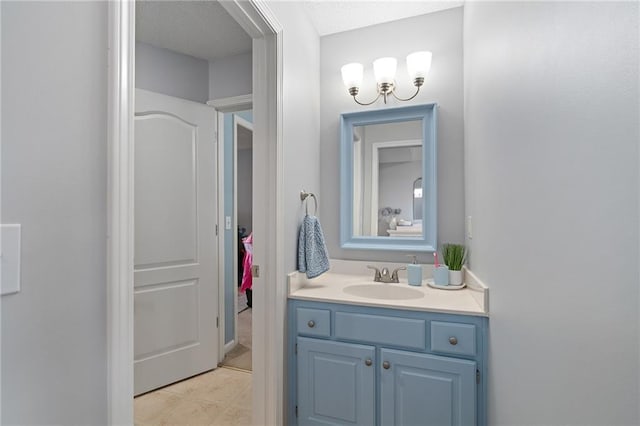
{"x": 454, "y": 256}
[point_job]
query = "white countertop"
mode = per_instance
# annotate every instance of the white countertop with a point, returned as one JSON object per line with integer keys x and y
{"x": 329, "y": 287}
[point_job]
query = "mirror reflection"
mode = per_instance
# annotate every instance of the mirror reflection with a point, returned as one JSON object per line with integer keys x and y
{"x": 417, "y": 199}
{"x": 387, "y": 179}
{"x": 388, "y": 190}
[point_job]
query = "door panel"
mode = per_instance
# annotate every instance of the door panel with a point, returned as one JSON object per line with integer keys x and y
{"x": 163, "y": 309}
{"x": 335, "y": 385}
{"x": 175, "y": 261}
{"x": 166, "y": 191}
{"x": 427, "y": 390}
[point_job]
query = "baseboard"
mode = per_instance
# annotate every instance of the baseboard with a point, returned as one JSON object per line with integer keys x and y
{"x": 229, "y": 346}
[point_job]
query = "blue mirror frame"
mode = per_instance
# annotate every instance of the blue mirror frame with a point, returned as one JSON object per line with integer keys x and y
{"x": 427, "y": 113}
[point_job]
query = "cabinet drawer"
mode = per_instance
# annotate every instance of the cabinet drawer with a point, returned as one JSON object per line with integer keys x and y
{"x": 313, "y": 322}
{"x": 453, "y": 338}
{"x": 406, "y": 332}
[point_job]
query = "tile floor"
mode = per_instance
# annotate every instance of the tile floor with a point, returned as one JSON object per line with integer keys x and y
{"x": 221, "y": 397}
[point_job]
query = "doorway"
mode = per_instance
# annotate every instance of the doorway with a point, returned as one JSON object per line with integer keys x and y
{"x": 237, "y": 134}
{"x": 177, "y": 165}
{"x": 259, "y": 23}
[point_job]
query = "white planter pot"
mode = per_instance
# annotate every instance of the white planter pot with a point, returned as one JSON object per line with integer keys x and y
{"x": 455, "y": 277}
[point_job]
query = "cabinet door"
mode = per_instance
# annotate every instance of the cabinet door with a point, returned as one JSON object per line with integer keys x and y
{"x": 335, "y": 383}
{"x": 420, "y": 389}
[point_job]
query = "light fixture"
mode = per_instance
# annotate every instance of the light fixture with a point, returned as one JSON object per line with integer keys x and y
{"x": 384, "y": 69}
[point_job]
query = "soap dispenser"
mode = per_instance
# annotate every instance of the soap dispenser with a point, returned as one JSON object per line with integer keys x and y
{"x": 414, "y": 272}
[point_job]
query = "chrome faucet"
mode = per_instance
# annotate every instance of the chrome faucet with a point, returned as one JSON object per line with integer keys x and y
{"x": 383, "y": 276}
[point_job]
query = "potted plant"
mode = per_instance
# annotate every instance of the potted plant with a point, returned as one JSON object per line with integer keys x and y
{"x": 454, "y": 257}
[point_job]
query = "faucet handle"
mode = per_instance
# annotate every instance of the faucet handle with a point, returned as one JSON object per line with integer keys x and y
{"x": 394, "y": 274}
{"x": 377, "y": 276}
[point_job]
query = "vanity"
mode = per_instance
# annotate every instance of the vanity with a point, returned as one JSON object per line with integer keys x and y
{"x": 361, "y": 356}
{"x": 367, "y": 353}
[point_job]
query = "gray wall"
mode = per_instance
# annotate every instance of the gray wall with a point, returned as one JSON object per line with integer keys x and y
{"x": 439, "y": 32}
{"x": 245, "y": 188}
{"x": 230, "y": 76}
{"x": 175, "y": 74}
{"x": 301, "y": 118}
{"x": 54, "y": 181}
{"x": 172, "y": 73}
{"x": 551, "y": 125}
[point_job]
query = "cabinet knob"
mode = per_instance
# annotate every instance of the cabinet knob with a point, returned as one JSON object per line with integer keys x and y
{"x": 453, "y": 340}
{"x": 386, "y": 365}
{"x": 311, "y": 323}
{"x": 368, "y": 362}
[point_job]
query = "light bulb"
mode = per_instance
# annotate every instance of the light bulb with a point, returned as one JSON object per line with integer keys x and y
{"x": 418, "y": 64}
{"x": 385, "y": 70}
{"x": 352, "y": 75}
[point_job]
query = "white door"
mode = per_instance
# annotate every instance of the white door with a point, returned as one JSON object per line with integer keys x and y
{"x": 175, "y": 260}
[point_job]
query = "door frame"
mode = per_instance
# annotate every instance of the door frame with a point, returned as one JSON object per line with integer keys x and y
{"x": 268, "y": 328}
{"x": 222, "y": 107}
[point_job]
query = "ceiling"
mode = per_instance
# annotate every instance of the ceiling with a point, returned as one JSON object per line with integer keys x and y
{"x": 205, "y": 30}
{"x": 331, "y": 16}
{"x": 202, "y": 29}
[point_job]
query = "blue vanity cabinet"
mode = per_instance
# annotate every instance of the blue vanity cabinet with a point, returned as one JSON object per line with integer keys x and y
{"x": 422, "y": 389}
{"x": 359, "y": 365}
{"x": 335, "y": 383}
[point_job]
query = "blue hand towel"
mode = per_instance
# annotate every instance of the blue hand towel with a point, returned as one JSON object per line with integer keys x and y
{"x": 312, "y": 250}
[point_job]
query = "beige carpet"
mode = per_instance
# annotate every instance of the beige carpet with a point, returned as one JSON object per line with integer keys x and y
{"x": 221, "y": 397}
{"x": 240, "y": 356}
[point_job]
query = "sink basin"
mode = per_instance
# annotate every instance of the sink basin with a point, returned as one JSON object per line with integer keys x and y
{"x": 383, "y": 291}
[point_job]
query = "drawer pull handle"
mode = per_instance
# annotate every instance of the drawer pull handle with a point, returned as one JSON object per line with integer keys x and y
{"x": 386, "y": 365}
{"x": 368, "y": 362}
{"x": 453, "y": 340}
{"x": 311, "y": 323}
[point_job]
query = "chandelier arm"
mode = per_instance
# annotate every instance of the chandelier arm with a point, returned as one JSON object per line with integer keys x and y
{"x": 408, "y": 99}
{"x": 365, "y": 104}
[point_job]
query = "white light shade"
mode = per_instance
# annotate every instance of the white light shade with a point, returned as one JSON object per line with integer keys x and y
{"x": 418, "y": 64}
{"x": 385, "y": 70}
{"x": 352, "y": 75}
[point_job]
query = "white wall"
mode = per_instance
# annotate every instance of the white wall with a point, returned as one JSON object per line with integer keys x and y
{"x": 439, "y": 32}
{"x": 551, "y": 147}
{"x": 300, "y": 146}
{"x": 230, "y": 76}
{"x": 172, "y": 73}
{"x": 301, "y": 118}
{"x": 54, "y": 142}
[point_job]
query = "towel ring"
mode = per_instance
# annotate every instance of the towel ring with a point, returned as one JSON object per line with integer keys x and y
{"x": 303, "y": 197}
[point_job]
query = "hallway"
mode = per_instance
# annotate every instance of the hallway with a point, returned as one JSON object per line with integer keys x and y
{"x": 240, "y": 356}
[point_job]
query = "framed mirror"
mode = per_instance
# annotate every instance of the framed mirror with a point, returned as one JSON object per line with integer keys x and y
{"x": 388, "y": 179}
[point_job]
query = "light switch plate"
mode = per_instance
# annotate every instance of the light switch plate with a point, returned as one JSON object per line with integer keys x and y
{"x": 10, "y": 259}
{"x": 227, "y": 222}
